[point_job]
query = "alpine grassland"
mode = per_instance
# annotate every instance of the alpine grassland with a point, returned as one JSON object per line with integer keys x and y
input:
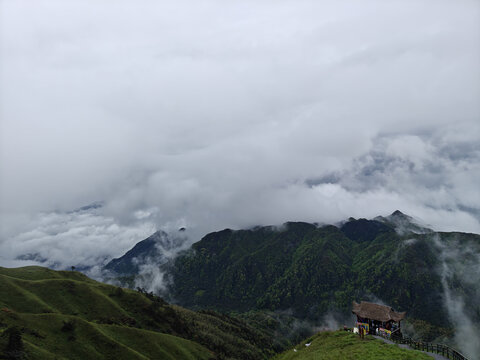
{"x": 46, "y": 314}
{"x": 342, "y": 345}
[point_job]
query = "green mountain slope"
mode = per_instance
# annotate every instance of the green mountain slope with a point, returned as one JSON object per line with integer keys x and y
{"x": 44, "y": 338}
{"x": 67, "y": 315}
{"x": 342, "y": 345}
{"x": 311, "y": 271}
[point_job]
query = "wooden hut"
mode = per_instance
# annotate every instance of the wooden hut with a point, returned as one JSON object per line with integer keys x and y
{"x": 378, "y": 319}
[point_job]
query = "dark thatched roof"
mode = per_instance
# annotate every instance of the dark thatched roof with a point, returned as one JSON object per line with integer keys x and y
{"x": 376, "y": 312}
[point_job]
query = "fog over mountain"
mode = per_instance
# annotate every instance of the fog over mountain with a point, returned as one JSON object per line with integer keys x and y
{"x": 214, "y": 114}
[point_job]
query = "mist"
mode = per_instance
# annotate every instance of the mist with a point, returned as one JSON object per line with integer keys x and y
{"x": 460, "y": 275}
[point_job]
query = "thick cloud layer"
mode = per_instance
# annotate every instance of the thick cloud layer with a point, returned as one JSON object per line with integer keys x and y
{"x": 77, "y": 238}
{"x": 214, "y": 114}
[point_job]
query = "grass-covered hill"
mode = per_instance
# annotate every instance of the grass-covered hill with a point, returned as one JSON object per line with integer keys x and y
{"x": 46, "y": 314}
{"x": 341, "y": 345}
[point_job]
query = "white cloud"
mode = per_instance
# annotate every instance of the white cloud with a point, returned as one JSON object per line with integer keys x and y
{"x": 61, "y": 240}
{"x": 219, "y": 114}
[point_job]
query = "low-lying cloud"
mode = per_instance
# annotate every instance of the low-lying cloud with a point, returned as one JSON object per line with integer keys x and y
{"x": 460, "y": 275}
{"x": 82, "y": 238}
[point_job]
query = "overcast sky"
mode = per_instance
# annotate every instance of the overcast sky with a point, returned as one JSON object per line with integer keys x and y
{"x": 215, "y": 114}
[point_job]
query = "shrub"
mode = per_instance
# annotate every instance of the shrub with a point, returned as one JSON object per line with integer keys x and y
{"x": 14, "y": 348}
{"x": 68, "y": 326}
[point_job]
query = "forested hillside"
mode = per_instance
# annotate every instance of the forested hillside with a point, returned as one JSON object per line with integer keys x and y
{"x": 313, "y": 270}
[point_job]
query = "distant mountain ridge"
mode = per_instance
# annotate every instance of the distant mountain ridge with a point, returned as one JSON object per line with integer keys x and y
{"x": 156, "y": 246}
{"x": 404, "y": 223}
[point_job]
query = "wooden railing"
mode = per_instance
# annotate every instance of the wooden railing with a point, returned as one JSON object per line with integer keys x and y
{"x": 441, "y": 349}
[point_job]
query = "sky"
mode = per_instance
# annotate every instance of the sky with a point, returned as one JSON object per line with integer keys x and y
{"x": 216, "y": 114}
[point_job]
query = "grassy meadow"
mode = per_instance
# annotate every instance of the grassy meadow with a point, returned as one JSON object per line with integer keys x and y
{"x": 66, "y": 315}
{"x": 341, "y": 345}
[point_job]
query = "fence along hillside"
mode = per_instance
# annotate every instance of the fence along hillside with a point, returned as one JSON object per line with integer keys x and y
{"x": 440, "y": 349}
